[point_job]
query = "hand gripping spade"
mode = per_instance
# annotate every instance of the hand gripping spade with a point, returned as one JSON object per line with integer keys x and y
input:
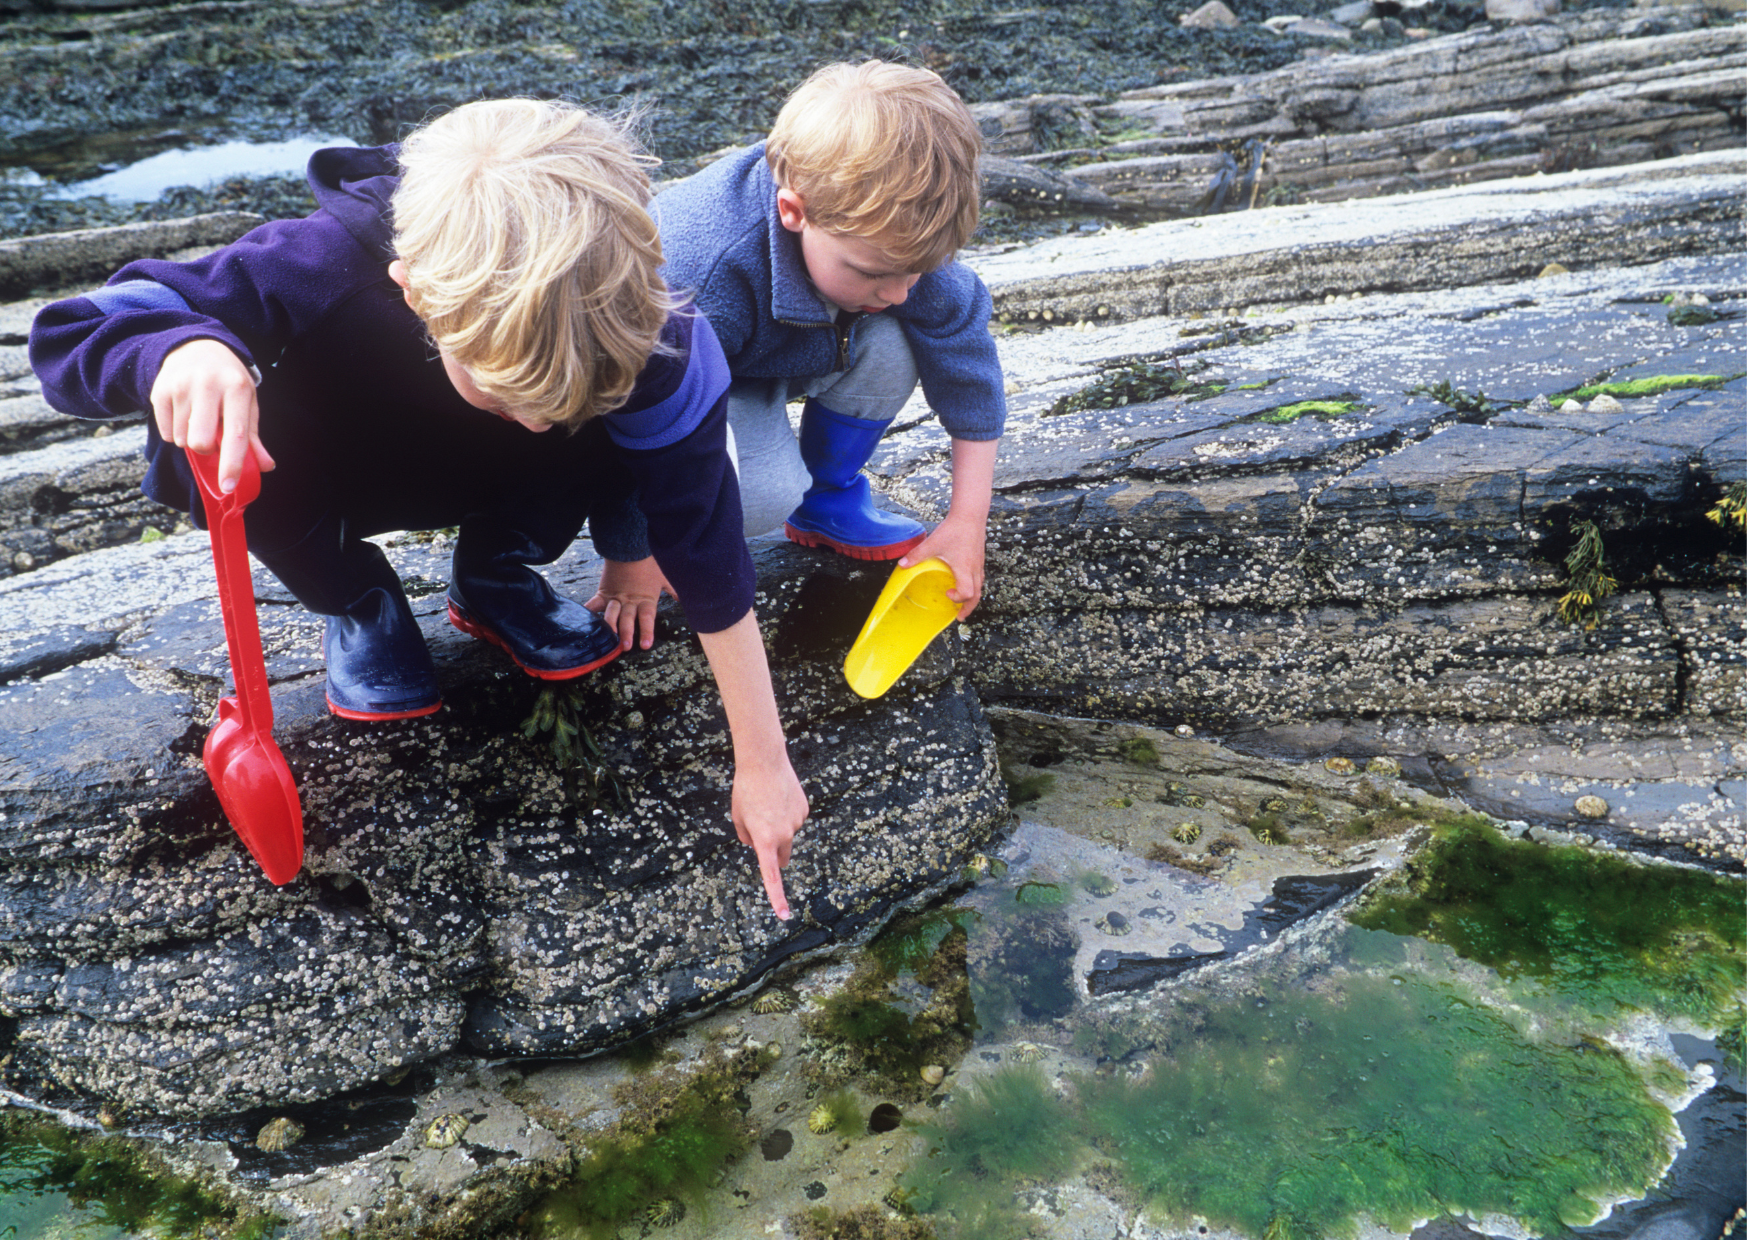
{"x": 248, "y": 772}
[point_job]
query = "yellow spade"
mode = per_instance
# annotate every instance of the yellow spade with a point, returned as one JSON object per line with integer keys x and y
{"x": 909, "y": 612}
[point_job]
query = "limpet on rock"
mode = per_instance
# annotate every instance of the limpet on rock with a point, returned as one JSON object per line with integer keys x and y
{"x": 933, "y": 1074}
{"x": 1113, "y": 923}
{"x": 278, "y": 1134}
{"x": 774, "y": 1001}
{"x": 444, "y": 1131}
{"x": 1591, "y": 807}
{"x": 1026, "y": 1052}
{"x": 666, "y": 1212}
{"x": 820, "y": 1120}
{"x": 1338, "y": 766}
{"x": 1385, "y": 766}
{"x": 1186, "y": 833}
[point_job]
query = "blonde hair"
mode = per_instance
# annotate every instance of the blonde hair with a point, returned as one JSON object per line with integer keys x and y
{"x": 882, "y": 152}
{"x": 530, "y": 255}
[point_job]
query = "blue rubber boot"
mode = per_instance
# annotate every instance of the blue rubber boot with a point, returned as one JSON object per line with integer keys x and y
{"x": 496, "y": 596}
{"x": 378, "y": 665}
{"x": 838, "y": 512}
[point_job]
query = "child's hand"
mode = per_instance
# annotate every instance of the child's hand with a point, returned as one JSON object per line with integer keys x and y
{"x": 627, "y": 598}
{"x": 960, "y": 544}
{"x": 768, "y": 805}
{"x": 204, "y": 398}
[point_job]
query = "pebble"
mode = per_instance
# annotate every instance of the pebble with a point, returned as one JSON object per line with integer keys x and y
{"x": 933, "y": 1074}
{"x": 1553, "y": 269}
{"x": 1541, "y": 404}
{"x": 1184, "y": 729}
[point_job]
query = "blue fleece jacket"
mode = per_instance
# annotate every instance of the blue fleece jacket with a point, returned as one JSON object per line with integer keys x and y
{"x": 726, "y": 247}
{"x": 355, "y": 404}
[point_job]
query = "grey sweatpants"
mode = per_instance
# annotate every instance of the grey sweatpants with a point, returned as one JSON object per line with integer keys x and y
{"x": 772, "y": 475}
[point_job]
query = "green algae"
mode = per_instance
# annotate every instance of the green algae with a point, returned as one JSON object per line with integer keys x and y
{"x": 1288, "y": 1114}
{"x": 110, "y": 1182}
{"x": 1134, "y": 382}
{"x": 1140, "y": 751}
{"x": 1598, "y": 929}
{"x": 1448, "y": 394}
{"x": 1283, "y": 414}
{"x": 677, "y": 1132}
{"x": 882, "y": 1032}
{"x": 1587, "y": 578}
{"x": 1008, "y": 1127}
{"x": 1025, "y": 786}
{"x": 1646, "y": 385}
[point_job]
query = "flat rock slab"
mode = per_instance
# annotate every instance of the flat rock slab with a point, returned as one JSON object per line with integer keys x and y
{"x": 460, "y": 887}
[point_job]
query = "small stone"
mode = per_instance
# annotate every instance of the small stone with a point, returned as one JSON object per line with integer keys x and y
{"x": 1552, "y": 269}
{"x": 1281, "y": 21}
{"x": 1385, "y": 766}
{"x": 1339, "y": 766}
{"x": 23, "y": 560}
{"x": 1184, "y": 730}
{"x": 1591, "y": 807}
{"x": 103, "y": 432}
{"x": 1541, "y": 404}
{"x": 1571, "y": 406}
{"x": 1211, "y": 16}
{"x": 1352, "y": 14}
{"x": 1604, "y": 403}
{"x": 445, "y": 1131}
{"x": 933, "y": 1074}
{"x": 278, "y": 1134}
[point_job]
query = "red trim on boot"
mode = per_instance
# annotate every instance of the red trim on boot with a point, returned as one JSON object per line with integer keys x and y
{"x": 808, "y": 538}
{"x": 382, "y": 716}
{"x": 473, "y": 628}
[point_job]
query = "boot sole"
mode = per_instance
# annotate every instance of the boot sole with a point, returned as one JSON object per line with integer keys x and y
{"x": 808, "y": 538}
{"x": 473, "y": 628}
{"x": 374, "y": 716}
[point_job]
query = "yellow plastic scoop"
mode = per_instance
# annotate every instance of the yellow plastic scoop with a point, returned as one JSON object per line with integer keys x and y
{"x": 909, "y": 612}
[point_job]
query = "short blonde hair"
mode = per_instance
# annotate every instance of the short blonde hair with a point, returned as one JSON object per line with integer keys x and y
{"x": 882, "y": 152}
{"x": 530, "y": 254}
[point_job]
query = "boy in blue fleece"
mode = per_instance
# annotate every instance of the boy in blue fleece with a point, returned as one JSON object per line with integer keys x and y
{"x": 823, "y": 258}
{"x": 398, "y": 360}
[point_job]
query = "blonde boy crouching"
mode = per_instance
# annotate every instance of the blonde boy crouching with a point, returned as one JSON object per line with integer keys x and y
{"x": 397, "y": 360}
{"x": 823, "y": 258}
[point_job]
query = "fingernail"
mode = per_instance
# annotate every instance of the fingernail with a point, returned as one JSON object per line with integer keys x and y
{"x": 227, "y": 485}
{"x": 783, "y": 914}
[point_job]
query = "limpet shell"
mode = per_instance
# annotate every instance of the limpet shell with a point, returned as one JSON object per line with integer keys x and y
{"x": 820, "y": 1120}
{"x": 1339, "y": 766}
{"x": 1186, "y": 833}
{"x": 278, "y": 1134}
{"x": 1389, "y": 768}
{"x": 933, "y": 1074}
{"x": 1027, "y": 1052}
{"x": 1591, "y": 807}
{"x": 774, "y": 1001}
{"x": 666, "y": 1212}
{"x": 444, "y": 1131}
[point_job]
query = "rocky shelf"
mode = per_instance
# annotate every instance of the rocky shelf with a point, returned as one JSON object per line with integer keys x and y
{"x": 1297, "y": 481}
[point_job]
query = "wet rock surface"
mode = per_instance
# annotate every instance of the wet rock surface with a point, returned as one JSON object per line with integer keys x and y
{"x": 1328, "y": 521}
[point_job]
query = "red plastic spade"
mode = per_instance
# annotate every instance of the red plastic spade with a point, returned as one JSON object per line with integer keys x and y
{"x": 248, "y": 772}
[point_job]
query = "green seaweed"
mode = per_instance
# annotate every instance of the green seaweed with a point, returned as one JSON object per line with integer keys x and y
{"x": 1024, "y": 786}
{"x": 1288, "y": 1114}
{"x": 844, "y": 1111}
{"x": 910, "y": 942}
{"x": 1283, "y": 414}
{"x": 1134, "y": 382}
{"x": 1139, "y": 750}
{"x": 1587, "y": 578}
{"x": 1040, "y": 895}
{"x": 111, "y": 1183}
{"x": 558, "y": 709}
{"x": 1598, "y": 929}
{"x": 1731, "y": 508}
{"x": 1448, "y": 394}
{"x": 1005, "y": 1128}
{"x": 677, "y": 1133}
{"x": 1645, "y": 385}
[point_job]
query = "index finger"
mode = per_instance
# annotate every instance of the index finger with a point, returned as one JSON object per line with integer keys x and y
{"x": 772, "y": 873}
{"x": 238, "y": 435}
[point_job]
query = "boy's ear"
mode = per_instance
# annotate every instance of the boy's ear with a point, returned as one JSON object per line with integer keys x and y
{"x": 397, "y": 271}
{"x": 791, "y": 211}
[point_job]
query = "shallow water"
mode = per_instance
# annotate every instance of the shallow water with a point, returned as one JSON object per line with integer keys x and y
{"x": 198, "y": 166}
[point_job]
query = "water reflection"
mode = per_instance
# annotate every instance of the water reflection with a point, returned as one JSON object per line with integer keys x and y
{"x": 202, "y": 165}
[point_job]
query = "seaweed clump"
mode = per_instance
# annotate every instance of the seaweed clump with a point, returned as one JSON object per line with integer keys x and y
{"x": 1138, "y": 381}
{"x": 860, "y": 1223}
{"x": 1601, "y": 930}
{"x": 1731, "y": 508}
{"x": 1587, "y": 578}
{"x": 876, "y": 1027}
{"x": 677, "y": 1132}
{"x": 111, "y": 1182}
